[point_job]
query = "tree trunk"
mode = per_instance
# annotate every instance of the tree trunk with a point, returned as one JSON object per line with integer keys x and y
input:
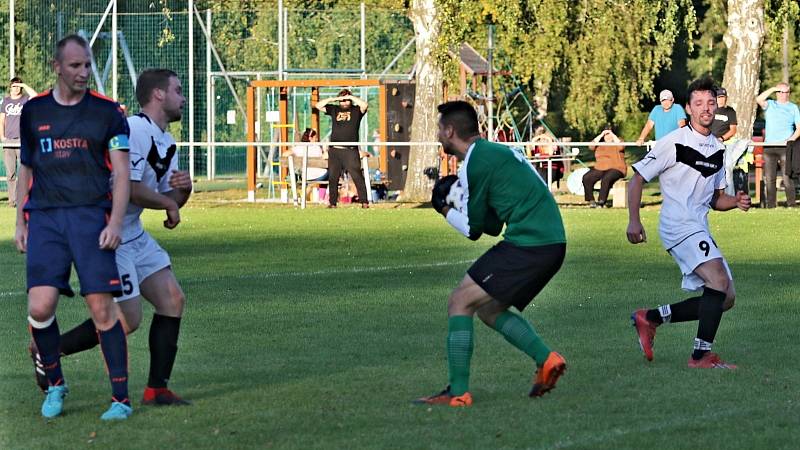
{"x": 540, "y": 100}
{"x": 744, "y": 38}
{"x": 429, "y": 94}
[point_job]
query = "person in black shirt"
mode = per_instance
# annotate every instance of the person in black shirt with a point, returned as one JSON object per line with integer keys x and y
{"x": 346, "y": 120}
{"x": 724, "y": 125}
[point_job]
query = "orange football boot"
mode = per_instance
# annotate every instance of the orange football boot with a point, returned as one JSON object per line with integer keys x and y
{"x": 709, "y": 361}
{"x": 547, "y": 375}
{"x": 645, "y": 330}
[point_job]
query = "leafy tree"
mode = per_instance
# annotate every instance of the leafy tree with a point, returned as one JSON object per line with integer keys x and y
{"x": 604, "y": 64}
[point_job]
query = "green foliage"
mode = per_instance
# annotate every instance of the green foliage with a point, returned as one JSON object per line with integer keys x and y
{"x": 711, "y": 52}
{"x": 781, "y": 14}
{"x": 604, "y": 54}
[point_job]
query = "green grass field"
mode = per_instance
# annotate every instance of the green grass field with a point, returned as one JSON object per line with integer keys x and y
{"x": 315, "y": 329}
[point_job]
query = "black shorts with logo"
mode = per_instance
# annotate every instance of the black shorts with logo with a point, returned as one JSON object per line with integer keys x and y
{"x": 514, "y": 274}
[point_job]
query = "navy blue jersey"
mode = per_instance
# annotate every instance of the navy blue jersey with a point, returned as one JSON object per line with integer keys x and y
{"x": 67, "y": 148}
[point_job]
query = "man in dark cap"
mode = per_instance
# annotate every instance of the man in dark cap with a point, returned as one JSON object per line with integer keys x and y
{"x": 724, "y": 125}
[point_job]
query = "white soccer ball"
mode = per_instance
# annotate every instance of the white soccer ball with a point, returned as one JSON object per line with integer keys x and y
{"x": 455, "y": 198}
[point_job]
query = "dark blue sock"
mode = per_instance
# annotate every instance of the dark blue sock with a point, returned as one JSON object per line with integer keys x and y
{"x": 48, "y": 343}
{"x": 115, "y": 351}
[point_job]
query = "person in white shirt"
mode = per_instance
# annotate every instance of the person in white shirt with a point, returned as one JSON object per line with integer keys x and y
{"x": 145, "y": 268}
{"x": 689, "y": 163}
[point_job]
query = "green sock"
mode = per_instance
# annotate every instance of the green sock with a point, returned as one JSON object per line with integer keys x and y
{"x": 459, "y": 352}
{"x": 520, "y": 333}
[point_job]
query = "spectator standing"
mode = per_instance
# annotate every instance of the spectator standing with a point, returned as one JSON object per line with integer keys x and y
{"x": 10, "y": 112}
{"x": 782, "y": 125}
{"x": 609, "y": 167}
{"x": 665, "y": 118}
{"x": 344, "y": 128}
{"x": 725, "y": 123}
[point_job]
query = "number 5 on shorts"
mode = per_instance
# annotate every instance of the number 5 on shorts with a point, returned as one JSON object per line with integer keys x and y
{"x": 127, "y": 286}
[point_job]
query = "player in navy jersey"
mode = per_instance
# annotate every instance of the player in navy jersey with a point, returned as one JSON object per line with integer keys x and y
{"x": 144, "y": 267}
{"x": 72, "y": 142}
{"x": 689, "y": 163}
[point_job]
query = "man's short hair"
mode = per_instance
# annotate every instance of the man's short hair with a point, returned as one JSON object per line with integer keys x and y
{"x": 16, "y": 80}
{"x": 699, "y": 85}
{"x": 344, "y": 92}
{"x": 149, "y": 80}
{"x": 461, "y": 116}
{"x": 66, "y": 40}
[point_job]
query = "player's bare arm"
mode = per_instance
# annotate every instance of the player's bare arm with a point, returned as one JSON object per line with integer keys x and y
{"x": 2, "y": 126}
{"x": 143, "y": 196}
{"x": 111, "y": 235}
{"x": 24, "y": 175}
{"x": 724, "y": 202}
{"x": 635, "y": 232}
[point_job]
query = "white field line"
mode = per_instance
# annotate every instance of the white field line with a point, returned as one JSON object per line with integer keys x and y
{"x": 619, "y": 433}
{"x": 312, "y": 273}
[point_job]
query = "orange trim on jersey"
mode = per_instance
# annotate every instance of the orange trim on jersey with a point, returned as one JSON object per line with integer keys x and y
{"x": 99, "y": 95}
{"x": 42, "y": 94}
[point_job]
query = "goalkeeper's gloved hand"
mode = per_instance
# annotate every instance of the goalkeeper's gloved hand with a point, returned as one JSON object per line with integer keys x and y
{"x": 440, "y": 190}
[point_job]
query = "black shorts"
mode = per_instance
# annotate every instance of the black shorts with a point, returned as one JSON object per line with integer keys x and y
{"x": 515, "y": 275}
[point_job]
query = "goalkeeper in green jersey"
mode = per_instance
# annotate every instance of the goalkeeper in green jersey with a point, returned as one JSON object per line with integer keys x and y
{"x": 496, "y": 186}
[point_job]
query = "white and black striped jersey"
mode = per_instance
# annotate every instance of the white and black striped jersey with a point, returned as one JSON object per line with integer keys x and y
{"x": 153, "y": 156}
{"x": 690, "y": 167}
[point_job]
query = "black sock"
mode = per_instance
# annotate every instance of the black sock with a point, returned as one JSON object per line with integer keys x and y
{"x": 83, "y": 337}
{"x": 163, "y": 347}
{"x": 653, "y": 315}
{"x": 687, "y": 310}
{"x": 710, "y": 313}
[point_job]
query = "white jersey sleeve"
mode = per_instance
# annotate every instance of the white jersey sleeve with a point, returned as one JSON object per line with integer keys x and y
{"x": 657, "y": 160}
{"x": 139, "y": 142}
{"x": 721, "y": 181}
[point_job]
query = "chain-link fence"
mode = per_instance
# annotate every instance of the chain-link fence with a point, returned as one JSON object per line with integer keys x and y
{"x": 320, "y": 40}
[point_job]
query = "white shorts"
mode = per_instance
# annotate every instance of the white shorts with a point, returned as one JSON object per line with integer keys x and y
{"x": 137, "y": 260}
{"x": 693, "y": 251}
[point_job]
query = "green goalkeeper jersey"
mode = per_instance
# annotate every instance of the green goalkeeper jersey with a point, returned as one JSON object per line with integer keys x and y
{"x": 500, "y": 187}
